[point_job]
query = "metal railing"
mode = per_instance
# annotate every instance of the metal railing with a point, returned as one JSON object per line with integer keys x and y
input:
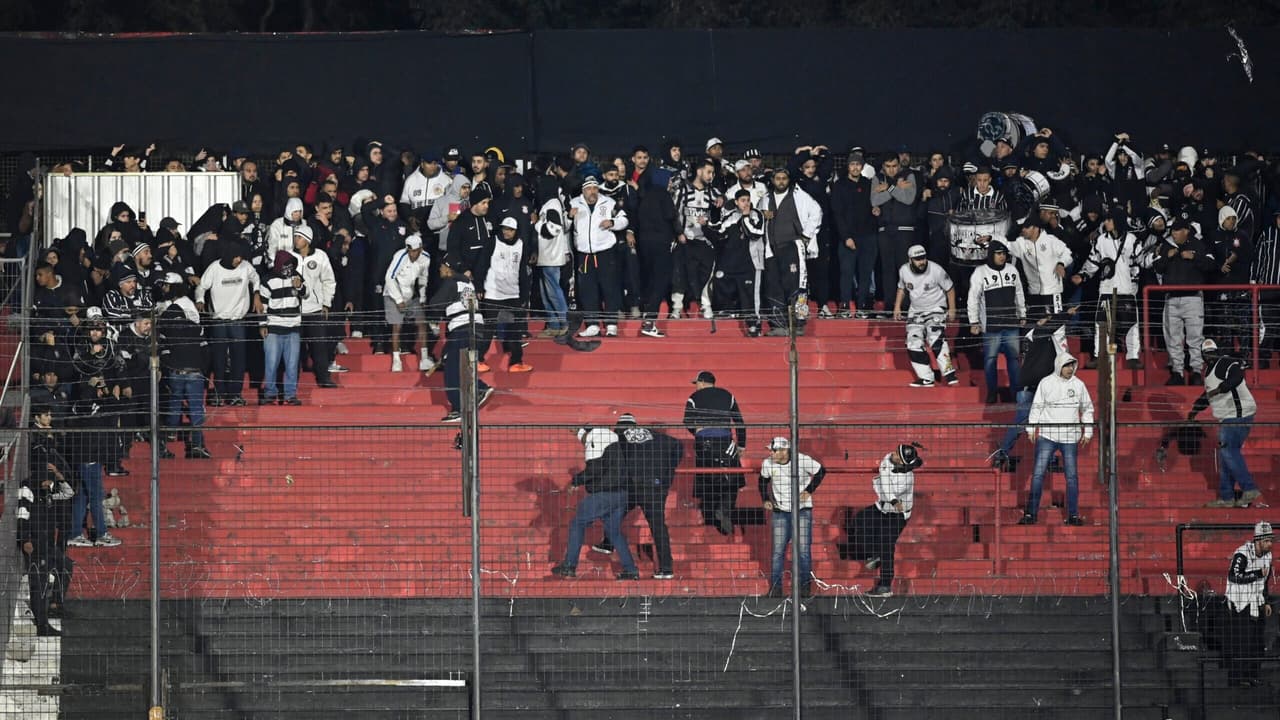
{"x": 1256, "y": 324}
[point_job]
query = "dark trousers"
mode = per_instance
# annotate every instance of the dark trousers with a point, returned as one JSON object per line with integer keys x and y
{"x": 735, "y": 295}
{"x": 1243, "y": 637}
{"x": 318, "y": 334}
{"x": 717, "y": 491}
{"x": 694, "y": 262}
{"x": 893, "y": 244}
{"x": 857, "y": 268}
{"x": 875, "y": 535}
{"x": 46, "y": 559}
{"x": 455, "y": 348}
{"x": 227, "y": 347}
{"x": 599, "y": 285}
{"x": 652, "y": 501}
{"x": 820, "y": 278}
{"x": 654, "y": 253}
{"x": 631, "y": 284}
{"x": 781, "y": 282}
{"x": 509, "y": 316}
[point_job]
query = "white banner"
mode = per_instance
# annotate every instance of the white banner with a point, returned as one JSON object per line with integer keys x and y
{"x": 84, "y": 200}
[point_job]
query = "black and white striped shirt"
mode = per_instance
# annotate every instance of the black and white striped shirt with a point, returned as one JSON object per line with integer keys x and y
{"x": 1266, "y": 258}
{"x": 971, "y": 199}
{"x": 284, "y": 303}
{"x": 1243, "y": 206}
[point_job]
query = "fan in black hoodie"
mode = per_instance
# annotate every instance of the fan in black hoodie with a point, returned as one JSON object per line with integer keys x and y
{"x": 125, "y": 221}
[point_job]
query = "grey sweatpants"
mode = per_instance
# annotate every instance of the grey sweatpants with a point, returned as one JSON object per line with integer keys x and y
{"x": 1184, "y": 322}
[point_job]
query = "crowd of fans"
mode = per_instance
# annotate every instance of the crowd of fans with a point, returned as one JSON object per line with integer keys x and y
{"x": 366, "y": 242}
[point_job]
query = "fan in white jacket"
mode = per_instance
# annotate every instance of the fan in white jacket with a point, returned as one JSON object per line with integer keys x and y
{"x": 1116, "y": 258}
{"x": 590, "y": 234}
{"x": 1045, "y": 259}
{"x": 280, "y": 232}
{"x": 316, "y": 271}
{"x": 1061, "y": 411}
{"x": 404, "y": 295}
{"x": 421, "y": 190}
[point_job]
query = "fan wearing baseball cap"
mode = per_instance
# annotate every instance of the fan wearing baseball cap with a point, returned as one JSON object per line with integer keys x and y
{"x": 712, "y": 416}
{"x": 1244, "y": 632}
{"x": 932, "y": 306}
{"x": 790, "y": 518}
{"x": 506, "y": 291}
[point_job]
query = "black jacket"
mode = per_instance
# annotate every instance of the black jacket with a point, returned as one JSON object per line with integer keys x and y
{"x": 851, "y": 209}
{"x": 655, "y": 213}
{"x": 1038, "y": 362}
{"x": 182, "y": 343}
{"x": 607, "y": 473}
{"x": 651, "y": 457}
{"x": 715, "y": 411}
{"x": 1177, "y": 270}
{"x": 471, "y": 244}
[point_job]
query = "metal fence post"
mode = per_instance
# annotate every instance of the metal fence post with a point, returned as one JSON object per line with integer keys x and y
{"x": 1113, "y": 502}
{"x": 157, "y": 706}
{"x": 471, "y": 501}
{"x": 793, "y": 362}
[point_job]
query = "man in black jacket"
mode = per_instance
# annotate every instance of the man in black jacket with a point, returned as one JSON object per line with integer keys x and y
{"x": 655, "y": 228}
{"x": 386, "y": 235}
{"x": 712, "y": 416}
{"x": 649, "y": 457}
{"x": 95, "y": 445}
{"x": 183, "y": 353}
{"x": 855, "y": 228}
{"x": 43, "y": 501}
{"x": 471, "y": 239}
{"x": 606, "y": 480}
{"x": 1182, "y": 260}
{"x": 739, "y": 241}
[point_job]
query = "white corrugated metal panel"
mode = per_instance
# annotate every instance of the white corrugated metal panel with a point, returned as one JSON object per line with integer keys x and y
{"x": 85, "y": 200}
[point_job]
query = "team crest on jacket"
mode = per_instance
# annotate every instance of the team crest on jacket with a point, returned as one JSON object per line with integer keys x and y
{"x": 794, "y": 268}
{"x": 1071, "y": 392}
{"x": 911, "y": 286}
{"x": 311, "y": 264}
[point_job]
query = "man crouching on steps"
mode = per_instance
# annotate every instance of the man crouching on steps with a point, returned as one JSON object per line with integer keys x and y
{"x": 606, "y": 482}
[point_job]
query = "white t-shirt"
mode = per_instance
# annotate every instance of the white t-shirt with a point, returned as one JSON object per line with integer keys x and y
{"x": 502, "y": 282}
{"x": 779, "y": 477}
{"x": 927, "y": 291}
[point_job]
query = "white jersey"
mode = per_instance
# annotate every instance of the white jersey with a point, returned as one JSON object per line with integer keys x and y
{"x": 892, "y": 485}
{"x": 779, "y": 477}
{"x": 927, "y": 291}
{"x": 502, "y": 282}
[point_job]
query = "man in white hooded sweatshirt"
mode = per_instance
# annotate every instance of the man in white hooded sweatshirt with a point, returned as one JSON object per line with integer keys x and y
{"x": 1061, "y": 420}
{"x": 280, "y": 232}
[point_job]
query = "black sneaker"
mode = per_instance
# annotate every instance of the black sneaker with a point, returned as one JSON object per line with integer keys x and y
{"x": 1000, "y": 459}
{"x": 485, "y": 397}
{"x": 663, "y": 575}
{"x": 564, "y": 571}
{"x": 1196, "y": 379}
{"x": 264, "y": 400}
{"x": 1133, "y": 364}
{"x": 921, "y": 383}
{"x": 214, "y": 401}
{"x": 628, "y": 575}
{"x": 753, "y": 331}
{"x": 1175, "y": 379}
{"x": 862, "y": 315}
{"x": 236, "y": 401}
{"x": 117, "y": 471}
{"x": 1075, "y": 520}
{"x": 880, "y": 591}
{"x": 165, "y": 454}
{"x": 292, "y": 401}
{"x": 723, "y": 522}
{"x": 1027, "y": 519}
{"x": 991, "y": 398}
{"x": 603, "y": 548}
{"x": 453, "y": 417}
{"x": 59, "y": 612}
{"x": 650, "y": 329}
{"x": 199, "y": 452}
{"x": 775, "y": 591}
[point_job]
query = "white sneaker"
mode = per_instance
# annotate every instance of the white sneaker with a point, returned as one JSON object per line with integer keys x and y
{"x": 590, "y": 331}
{"x": 356, "y": 334}
{"x": 425, "y": 363}
{"x": 674, "y": 314}
{"x": 79, "y": 541}
{"x": 106, "y": 540}
{"x": 342, "y": 349}
{"x": 336, "y": 368}
{"x": 611, "y": 330}
{"x": 706, "y": 312}
{"x": 396, "y": 365}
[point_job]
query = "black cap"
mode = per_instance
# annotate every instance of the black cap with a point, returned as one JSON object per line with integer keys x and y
{"x": 240, "y": 206}
{"x": 169, "y": 224}
{"x": 705, "y": 377}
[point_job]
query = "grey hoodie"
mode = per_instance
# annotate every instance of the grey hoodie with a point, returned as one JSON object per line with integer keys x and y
{"x": 438, "y": 220}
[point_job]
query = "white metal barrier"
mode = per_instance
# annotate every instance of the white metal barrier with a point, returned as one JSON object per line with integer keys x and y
{"x": 84, "y": 200}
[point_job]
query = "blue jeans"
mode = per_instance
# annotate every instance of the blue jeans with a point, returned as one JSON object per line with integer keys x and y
{"x": 782, "y": 533}
{"x": 997, "y": 342}
{"x": 455, "y": 348}
{"x": 90, "y": 498}
{"x": 226, "y": 345}
{"x": 1044, "y": 453}
{"x": 1231, "y": 467}
{"x": 189, "y": 387}
{"x": 281, "y": 347}
{"x": 1020, "y": 417}
{"x": 609, "y": 508}
{"x": 553, "y": 300}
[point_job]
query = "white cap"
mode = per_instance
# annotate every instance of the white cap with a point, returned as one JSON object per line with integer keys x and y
{"x": 741, "y": 164}
{"x": 171, "y": 278}
{"x": 916, "y": 251}
{"x": 712, "y": 142}
{"x": 93, "y": 313}
{"x": 596, "y": 441}
{"x": 510, "y": 222}
{"x": 413, "y": 242}
{"x": 1209, "y": 346}
{"x": 779, "y": 443}
{"x": 305, "y": 231}
{"x": 1262, "y": 530}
